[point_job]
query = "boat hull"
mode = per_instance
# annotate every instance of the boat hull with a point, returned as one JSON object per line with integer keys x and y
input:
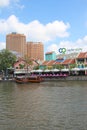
{"x": 30, "y": 79}
{"x": 21, "y": 80}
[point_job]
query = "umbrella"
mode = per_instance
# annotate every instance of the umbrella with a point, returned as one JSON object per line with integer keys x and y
{"x": 33, "y": 70}
{"x": 85, "y": 68}
{"x": 64, "y": 70}
{"x": 39, "y": 70}
{"x": 55, "y": 70}
{"x": 46, "y": 70}
{"x": 75, "y": 69}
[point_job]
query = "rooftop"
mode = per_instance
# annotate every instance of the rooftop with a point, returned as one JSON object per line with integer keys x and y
{"x": 49, "y": 52}
{"x": 82, "y": 55}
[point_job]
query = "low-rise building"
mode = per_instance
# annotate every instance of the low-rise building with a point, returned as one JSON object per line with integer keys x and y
{"x": 50, "y": 56}
{"x": 81, "y": 60}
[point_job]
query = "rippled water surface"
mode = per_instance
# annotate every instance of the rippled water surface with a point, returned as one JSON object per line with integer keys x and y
{"x": 44, "y": 106}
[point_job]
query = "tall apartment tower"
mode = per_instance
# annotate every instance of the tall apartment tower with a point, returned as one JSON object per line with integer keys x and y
{"x": 35, "y": 50}
{"x": 16, "y": 42}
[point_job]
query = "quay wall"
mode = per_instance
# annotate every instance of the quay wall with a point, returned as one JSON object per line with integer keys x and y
{"x": 69, "y": 78}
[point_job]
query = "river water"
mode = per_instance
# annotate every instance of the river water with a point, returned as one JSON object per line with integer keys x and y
{"x": 43, "y": 106}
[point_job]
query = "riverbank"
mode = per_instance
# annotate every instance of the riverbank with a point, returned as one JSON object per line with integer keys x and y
{"x": 5, "y": 80}
{"x": 68, "y": 78}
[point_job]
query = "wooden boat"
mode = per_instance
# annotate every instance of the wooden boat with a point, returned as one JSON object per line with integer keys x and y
{"x": 21, "y": 79}
{"x": 35, "y": 79}
{"x": 32, "y": 79}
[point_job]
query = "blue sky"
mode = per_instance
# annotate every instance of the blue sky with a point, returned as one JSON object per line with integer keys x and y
{"x": 56, "y": 23}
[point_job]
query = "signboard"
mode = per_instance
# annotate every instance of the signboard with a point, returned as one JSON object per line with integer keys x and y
{"x": 64, "y": 50}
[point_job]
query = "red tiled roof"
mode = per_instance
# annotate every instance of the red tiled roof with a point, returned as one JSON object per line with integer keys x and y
{"x": 50, "y": 52}
{"x": 21, "y": 61}
{"x": 82, "y": 55}
{"x": 56, "y": 63}
{"x": 51, "y": 62}
{"x": 45, "y": 63}
{"x": 68, "y": 61}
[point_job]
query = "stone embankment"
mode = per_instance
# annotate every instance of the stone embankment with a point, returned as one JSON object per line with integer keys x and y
{"x": 68, "y": 78}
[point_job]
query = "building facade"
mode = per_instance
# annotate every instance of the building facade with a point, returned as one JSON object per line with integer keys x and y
{"x": 35, "y": 50}
{"x": 16, "y": 42}
{"x": 50, "y": 56}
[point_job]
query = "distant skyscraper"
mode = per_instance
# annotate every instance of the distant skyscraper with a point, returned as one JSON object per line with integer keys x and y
{"x": 35, "y": 50}
{"x": 16, "y": 42}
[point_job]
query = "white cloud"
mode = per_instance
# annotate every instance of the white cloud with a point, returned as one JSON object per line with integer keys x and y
{"x": 57, "y": 29}
{"x": 35, "y": 30}
{"x": 11, "y": 3}
{"x": 53, "y": 47}
{"x": 4, "y": 3}
{"x": 80, "y": 43}
{"x": 2, "y": 45}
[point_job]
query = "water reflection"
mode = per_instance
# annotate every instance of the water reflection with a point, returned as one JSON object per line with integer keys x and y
{"x": 44, "y": 106}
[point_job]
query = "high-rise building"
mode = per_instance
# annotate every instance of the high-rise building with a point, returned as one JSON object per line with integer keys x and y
{"x": 35, "y": 50}
{"x": 16, "y": 42}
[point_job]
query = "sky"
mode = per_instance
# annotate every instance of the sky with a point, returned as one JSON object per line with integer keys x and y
{"x": 55, "y": 23}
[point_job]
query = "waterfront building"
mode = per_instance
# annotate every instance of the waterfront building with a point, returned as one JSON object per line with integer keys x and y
{"x": 81, "y": 60}
{"x": 50, "y": 56}
{"x": 68, "y": 63}
{"x": 35, "y": 50}
{"x": 22, "y": 66}
{"x": 16, "y": 42}
{"x": 47, "y": 64}
{"x": 58, "y": 64}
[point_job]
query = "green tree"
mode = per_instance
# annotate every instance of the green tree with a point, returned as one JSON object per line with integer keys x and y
{"x": 7, "y": 59}
{"x": 58, "y": 66}
{"x": 73, "y": 66}
{"x": 22, "y": 66}
{"x": 28, "y": 62}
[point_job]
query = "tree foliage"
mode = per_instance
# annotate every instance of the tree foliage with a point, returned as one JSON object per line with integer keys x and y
{"x": 22, "y": 66}
{"x": 7, "y": 59}
{"x": 28, "y": 60}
